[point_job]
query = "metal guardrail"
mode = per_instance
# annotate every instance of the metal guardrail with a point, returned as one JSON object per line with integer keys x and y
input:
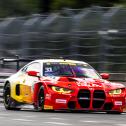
{"x": 116, "y": 77}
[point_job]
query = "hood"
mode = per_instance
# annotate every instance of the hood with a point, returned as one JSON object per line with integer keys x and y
{"x": 84, "y": 82}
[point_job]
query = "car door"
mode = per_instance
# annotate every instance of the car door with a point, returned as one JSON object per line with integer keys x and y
{"x": 29, "y": 81}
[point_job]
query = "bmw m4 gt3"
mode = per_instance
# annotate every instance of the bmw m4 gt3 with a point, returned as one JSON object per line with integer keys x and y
{"x": 58, "y": 84}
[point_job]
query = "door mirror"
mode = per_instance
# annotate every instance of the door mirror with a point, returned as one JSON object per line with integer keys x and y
{"x": 105, "y": 75}
{"x": 33, "y": 73}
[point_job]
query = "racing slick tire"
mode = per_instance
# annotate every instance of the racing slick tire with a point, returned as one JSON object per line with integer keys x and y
{"x": 8, "y": 102}
{"x": 40, "y": 99}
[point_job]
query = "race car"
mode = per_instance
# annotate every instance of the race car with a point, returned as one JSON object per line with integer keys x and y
{"x": 61, "y": 84}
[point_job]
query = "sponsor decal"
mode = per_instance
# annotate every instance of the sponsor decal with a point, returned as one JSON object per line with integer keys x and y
{"x": 124, "y": 109}
{"x": 118, "y": 102}
{"x": 48, "y": 107}
{"x": 48, "y": 96}
{"x": 91, "y": 88}
{"x": 61, "y": 101}
{"x": 80, "y": 83}
{"x": 88, "y": 84}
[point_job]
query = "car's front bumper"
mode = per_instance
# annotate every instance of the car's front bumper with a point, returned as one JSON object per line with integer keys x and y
{"x": 86, "y": 102}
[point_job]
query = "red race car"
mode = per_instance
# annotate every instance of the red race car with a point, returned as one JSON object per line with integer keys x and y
{"x": 59, "y": 84}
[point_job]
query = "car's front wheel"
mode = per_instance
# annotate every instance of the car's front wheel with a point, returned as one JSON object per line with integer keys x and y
{"x": 40, "y": 99}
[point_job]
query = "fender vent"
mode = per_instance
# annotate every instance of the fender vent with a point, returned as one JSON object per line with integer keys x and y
{"x": 18, "y": 89}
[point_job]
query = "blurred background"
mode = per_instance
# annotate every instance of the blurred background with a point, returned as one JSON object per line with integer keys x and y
{"x": 93, "y": 31}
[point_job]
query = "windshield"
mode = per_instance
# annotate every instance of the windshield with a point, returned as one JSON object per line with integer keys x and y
{"x": 69, "y": 69}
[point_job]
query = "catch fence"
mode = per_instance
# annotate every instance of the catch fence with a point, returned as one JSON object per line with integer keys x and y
{"x": 96, "y": 35}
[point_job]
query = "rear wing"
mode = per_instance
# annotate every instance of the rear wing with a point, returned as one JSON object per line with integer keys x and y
{"x": 16, "y": 60}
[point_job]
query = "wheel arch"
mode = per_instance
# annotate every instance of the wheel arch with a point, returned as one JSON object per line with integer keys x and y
{"x": 36, "y": 91}
{"x": 39, "y": 84}
{"x": 7, "y": 82}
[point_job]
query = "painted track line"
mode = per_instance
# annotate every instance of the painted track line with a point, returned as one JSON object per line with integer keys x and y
{"x": 58, "y": 123}
{"x": 90, "y": 121}
{"x": 24, "y": 120}
{"x": 56, "y": 118}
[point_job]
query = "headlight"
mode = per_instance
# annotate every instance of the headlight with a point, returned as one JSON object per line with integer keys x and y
{"x": 61, "y": 90}
{"x": 115, "y": 92}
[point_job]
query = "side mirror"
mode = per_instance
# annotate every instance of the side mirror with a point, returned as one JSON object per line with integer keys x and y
{"x": 33, "y": 73}
{"x": 105, "y": 75}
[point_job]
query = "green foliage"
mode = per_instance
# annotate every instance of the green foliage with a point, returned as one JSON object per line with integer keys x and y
{"x": 17, "y": 7}
{"x": 58, "y": 4}
{"x": 24, "y": 7}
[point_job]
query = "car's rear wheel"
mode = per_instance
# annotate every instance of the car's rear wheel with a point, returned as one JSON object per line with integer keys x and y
{"x": 8, "y": 102}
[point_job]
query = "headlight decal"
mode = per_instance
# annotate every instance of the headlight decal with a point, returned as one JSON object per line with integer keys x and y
{"x": 61, "y": 89}
{"x": 115, "y": 92}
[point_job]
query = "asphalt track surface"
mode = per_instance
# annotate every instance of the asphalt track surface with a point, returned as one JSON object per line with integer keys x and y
{"x": 28, "y": 117}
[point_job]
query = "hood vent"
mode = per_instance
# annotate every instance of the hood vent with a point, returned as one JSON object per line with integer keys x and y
{"x": 67, "y": 79}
